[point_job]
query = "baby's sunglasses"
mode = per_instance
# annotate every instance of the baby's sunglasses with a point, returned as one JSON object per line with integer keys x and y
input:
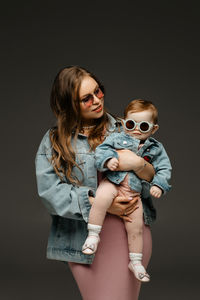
{"x": 143, "y": 126}
{"x": 89, "y": 99}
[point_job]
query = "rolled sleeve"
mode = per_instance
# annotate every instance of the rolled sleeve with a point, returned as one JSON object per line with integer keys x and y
{"x": 60, "y": 198}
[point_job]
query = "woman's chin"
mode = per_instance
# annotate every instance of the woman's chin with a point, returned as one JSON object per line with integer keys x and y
{"x": 99, "y": 114}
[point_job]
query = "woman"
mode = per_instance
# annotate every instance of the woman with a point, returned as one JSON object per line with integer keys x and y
{"x": 67, "y": 180}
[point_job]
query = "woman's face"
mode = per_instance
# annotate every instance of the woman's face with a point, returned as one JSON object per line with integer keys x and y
{"x": 91, "y": 100}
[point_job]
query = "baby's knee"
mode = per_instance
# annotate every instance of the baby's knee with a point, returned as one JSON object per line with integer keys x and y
{"x": 107, "y": 189}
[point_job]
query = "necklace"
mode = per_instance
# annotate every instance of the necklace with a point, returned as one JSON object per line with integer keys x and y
{"x": 88, "y": 127}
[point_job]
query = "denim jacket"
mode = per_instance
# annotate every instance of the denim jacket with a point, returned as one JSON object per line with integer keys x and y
{"x": 152, "y": 150}
{"x": 68, "y": 204}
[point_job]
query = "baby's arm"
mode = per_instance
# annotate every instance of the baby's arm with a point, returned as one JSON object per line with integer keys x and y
{"x": 112, "y": 164}
{"x": 105, "y": 152}
{"x": 162, "y": 166}
{"x": 155, "y": 191}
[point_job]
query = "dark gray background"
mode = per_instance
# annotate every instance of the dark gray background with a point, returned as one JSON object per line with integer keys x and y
{"x": 138, "y": 49}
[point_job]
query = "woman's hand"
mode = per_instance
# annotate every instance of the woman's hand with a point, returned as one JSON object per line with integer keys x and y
{"x": 129, "y": 161}
{"x": 123, "y": 207}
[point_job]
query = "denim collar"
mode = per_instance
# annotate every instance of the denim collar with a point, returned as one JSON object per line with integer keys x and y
{"x": 112, "y": 123}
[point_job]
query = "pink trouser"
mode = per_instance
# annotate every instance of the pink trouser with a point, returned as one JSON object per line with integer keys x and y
{"x": 108, "y": 278}
{"x": 105, "y": 194}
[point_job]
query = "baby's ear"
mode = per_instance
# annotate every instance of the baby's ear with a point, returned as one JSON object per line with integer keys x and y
{"x": 155, "y": 128}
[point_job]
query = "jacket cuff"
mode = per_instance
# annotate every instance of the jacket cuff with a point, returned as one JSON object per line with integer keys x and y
{"x": 165, "y": 187}
{"x": 85, "y": 206}
{"x": 102, "y": 168}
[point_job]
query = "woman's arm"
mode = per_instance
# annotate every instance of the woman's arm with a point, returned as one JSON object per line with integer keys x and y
{"x": 129, "y": 161}
{"x": 60, "y": 198}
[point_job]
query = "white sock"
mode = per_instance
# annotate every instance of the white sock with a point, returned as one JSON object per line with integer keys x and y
{"x": 135, "y": 258}
{"x": 91, "y": 243}
{"x": 94, "y": 229}
{"x": 137, "y": 267}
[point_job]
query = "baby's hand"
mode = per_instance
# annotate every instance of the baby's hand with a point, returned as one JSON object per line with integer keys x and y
{"x": 113, "y": 164}
{"x": 155, "y": 191}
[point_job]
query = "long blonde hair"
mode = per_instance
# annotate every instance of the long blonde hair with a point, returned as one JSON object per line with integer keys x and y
{"x": 65, "y": 104}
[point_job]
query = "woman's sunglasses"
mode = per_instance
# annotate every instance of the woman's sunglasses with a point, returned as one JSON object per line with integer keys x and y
{"x": 89, "y": 99}
{"x": 143, "y": 126}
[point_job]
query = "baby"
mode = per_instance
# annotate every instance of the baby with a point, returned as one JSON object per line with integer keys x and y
{"x": 139, "y": 125}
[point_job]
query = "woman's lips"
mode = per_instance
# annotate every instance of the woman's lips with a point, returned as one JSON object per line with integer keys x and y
{"x": 98, "y": 109}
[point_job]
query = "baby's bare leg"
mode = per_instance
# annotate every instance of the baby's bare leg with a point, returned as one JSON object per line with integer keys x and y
{"x": 135, "y": 244}
{"x": 105, "y": 194}
{"x": 135, "y": 237}
{"x": 135, "y": 230}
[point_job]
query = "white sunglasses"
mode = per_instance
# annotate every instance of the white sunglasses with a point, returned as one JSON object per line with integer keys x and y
{"x": 143, "y": 126}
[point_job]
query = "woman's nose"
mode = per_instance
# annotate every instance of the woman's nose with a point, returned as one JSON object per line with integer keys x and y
{"x": 96, "y": 100}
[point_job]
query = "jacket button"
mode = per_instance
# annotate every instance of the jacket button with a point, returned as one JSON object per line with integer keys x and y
{"x": 124, "y": 142}
{"x": 148, "y": 150}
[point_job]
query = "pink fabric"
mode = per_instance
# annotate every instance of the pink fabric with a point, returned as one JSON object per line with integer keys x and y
{"x": 124, "y": 189}
{"x": 109, "y": 278}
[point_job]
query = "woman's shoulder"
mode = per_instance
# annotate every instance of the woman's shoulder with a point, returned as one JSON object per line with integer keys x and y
{"x": 112, "y": 120}
{"x": 114, "y": 124}
{"x": 45, "y": 146}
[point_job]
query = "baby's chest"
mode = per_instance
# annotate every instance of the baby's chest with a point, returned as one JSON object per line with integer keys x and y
{"x": 122, "y": 143}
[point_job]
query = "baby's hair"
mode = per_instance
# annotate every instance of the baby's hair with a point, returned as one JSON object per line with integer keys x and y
{"x": 138, "y": 105}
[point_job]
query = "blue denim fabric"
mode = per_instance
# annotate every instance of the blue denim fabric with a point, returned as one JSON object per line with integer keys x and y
{"x": 68, "y": 204}
{"x": 156, "y": 155}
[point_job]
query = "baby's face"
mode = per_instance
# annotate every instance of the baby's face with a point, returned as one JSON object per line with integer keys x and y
{"x": 138, "y": 117}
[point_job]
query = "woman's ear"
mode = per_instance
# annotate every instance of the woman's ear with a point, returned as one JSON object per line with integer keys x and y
{"x": 155, "y": 128}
